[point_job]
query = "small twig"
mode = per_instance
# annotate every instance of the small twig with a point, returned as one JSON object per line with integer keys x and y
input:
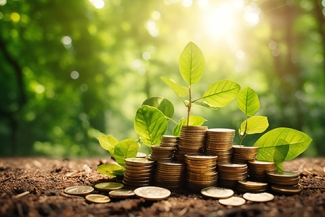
{"x": 21, "y": 195}
{"x": 20, "y": 210}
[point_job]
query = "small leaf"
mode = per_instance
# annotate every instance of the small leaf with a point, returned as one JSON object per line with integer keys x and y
{"x": 127, "y": 148}
{"x": 108, "y": 143}
{"x": 221, "y": 93}
{"x": 177, "y": 129}
{"x": 163, "y": 104}
{"x": 150, "y": 124}
{"x": 110, "y": 170}
{"x": 255, "y": 124}
{"x": 180, "y": 91}
{"x": 248, "y": 101}
{"x": 196, "y": 120}
{"x": 293, "y": 142}
{"x": 191, "y": 63}
{"x": 205, "y": 104}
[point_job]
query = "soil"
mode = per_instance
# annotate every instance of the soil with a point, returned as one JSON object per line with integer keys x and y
{"x": 34, "y": 187}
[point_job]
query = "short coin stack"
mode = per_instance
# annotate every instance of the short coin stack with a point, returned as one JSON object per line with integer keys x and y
{"x": 284, "y": 183}
{"x": 243, "y": 154}
{"x": 219, "y": 142}
{"x": 169, "y": 141}
{"x": 192, "y": 141}
{"x": 169, "y": 175}
{"x": 201, "y": 171}
{"x": 257, "y": 170}
{"x": 229, "y": 174}
{"x": 162, "y": 153}
{"x": 138, "y": 172}
{"x": 252, "y": 187}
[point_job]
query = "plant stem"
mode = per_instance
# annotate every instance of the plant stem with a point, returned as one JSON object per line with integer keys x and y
{"x": 244, "y": 134}
{"x": 189, "y": 106}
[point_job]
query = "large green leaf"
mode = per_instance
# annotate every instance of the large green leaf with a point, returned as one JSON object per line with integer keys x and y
{"x": 150, "y": 124}
{"x": 248, "y": 101}
{"x": 255, "y": 124}
{"x": 108, "y": 143}
{"x": 191, "y": 63}
{"x": 163, "y": 104}
{"x": 127, "y": 148}
{"x": 281, "y": 140}
{"x": 221, "y": 93}
{"x": 111, "y": 170}
{"x": 180, "y": 91}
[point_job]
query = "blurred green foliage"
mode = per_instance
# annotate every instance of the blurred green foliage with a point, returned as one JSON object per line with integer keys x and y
{"x": 71, "y": 71}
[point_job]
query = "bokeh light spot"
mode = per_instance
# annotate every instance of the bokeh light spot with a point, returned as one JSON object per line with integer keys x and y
{"x": 15, "y": 17}
{"x": 74, "y": 75}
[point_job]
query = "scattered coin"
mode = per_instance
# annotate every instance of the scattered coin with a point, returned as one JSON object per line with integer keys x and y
{"x": 233, "y": 201}
{"x": 258, "y": 197}
{"x": 152, "y": 193}
{"x": 79, "y": 190}
{"x": 217, "y": 192}
{"x": 108, "y": 186}
{"x": 121, "y": 193}
{"x": 97, "y": 198}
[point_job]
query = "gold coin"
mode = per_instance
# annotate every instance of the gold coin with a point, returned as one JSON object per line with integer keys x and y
{"x": 121, "y": 193}
{"x": 284, "y": 174}
{"x": 97, "y": 198}
{"x": 286, "y": 189}
{"x": 233, "y": 201}
{"x": 79, "y": 190}
{"x": 108, "y": 186}
{"x": 152, "y": 193}
{"x": 258, "y": 197}
{"x": 252, "y": 185}
{"x": 217, "y": 192}
{"x": 138, "y": 161}
{"x": 141, "y": 155}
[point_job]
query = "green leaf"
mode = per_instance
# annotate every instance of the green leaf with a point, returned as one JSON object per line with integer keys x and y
{"x": 180, "y": 91}
{"x": 127, "y": 148}
{"x": 108, "y": 143}
{"x": 163, "y": 104}
{"x": 255, "y": 124}
{"x": 248, "y": 101}
{"x": 150, "y": 124}
{"x": 289, "y": 142}
{"x": 191, "y": 63}
{"x": 177, "y": 129}
{"x": 221, "y": 93}
{"x": 206, "y": 105}
{"x": 111, "y": 170}
{"x": 196, "y": 120}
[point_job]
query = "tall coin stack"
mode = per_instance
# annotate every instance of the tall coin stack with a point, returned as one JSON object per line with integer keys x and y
{"x": 229, "y": 174}
{"x": 219, "y": 142}
{"x": 257, "y": 170}
{"x": 201, "y": 171}
{"x": 284, "y": 183}
{"x": 243, "y": 154}
{"x": 138, "y": 172}
{"x": 192, "y": 141}
{"x": 169, "y": 175}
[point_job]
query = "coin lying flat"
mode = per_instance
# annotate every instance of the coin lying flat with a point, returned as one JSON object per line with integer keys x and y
{"x": 233, "y": 201}
{"x": 258, "y": 197}
{"x": 121, "y": 193}
{"x": 217, "y": 192}
{"x": 79, "y": 190}
{"x": 152, "y": 193}
{"x": 97, "y": 198}
{"x": 108, "y": 186}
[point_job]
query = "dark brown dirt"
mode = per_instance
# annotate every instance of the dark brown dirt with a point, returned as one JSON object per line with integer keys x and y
{"x": 34, "y": 187}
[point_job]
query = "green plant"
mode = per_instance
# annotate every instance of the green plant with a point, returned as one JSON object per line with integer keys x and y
{"x": 249, "y": 104}
{"x": 218, "y": 94}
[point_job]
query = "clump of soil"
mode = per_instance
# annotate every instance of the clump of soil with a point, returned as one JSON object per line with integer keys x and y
{"x": 34, "y": 187}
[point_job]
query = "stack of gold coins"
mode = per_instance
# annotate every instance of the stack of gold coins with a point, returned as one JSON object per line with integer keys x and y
{"x": 229, "y": 174}
{"x": 169, "y": 175}
{"x": 243, "y": 154}
{"x": 201, "y": 171}
{"x": 169, "y": 141}
{"x": 161, "y": 153}
{"x": 251, "y": 187}
{"x": 257, "y": 170}
{"x": 138, "y": 172}
{"x": 285, "y": 182}
{"x": 219, "y": 142}
{"x": 192, "y": 141}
